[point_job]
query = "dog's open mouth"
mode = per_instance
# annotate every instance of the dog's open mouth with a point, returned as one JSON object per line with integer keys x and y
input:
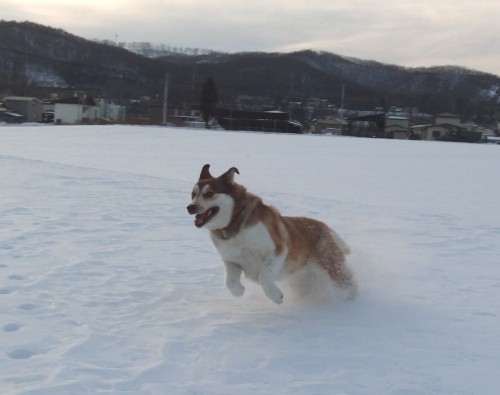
{"x": 203, "y": 218}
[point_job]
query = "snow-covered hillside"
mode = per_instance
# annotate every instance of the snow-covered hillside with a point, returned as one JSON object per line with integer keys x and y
{"x": 107, "y": 287}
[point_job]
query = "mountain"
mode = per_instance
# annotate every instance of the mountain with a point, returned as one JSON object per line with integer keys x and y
{"x": 37, "y": 59}
{"x": 34, "y": 57}
{"x": 367, "y": 84}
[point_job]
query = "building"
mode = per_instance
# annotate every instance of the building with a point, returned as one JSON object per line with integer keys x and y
{"x": 442, "y": 126}
{"x": 432, "y": 132}
{"x": 331, "y": 125}
{"x": 397, "y": 127}
{"x": 265, "y": 121}
{"x": 447, "y": 119}
{"x": 29, "y": 107}
{"x": 380, "y": 125}
{"x": 446, "y": 127}
{"x": 76, "y": 110}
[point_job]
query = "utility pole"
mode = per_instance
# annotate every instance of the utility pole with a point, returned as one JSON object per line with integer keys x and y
{"x": 165, "y": 98}
{"x": 342, "y": 110}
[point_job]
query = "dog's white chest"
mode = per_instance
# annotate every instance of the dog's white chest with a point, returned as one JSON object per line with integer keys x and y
{"x": 250, "y": 248}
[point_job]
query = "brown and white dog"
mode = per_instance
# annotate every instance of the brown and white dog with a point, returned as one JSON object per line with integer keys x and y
{"x": 253, "y": 238}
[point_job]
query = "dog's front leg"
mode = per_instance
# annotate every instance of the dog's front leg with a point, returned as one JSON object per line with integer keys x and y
{"x": 233, "y": 276}
{"x": 267, "y": 277}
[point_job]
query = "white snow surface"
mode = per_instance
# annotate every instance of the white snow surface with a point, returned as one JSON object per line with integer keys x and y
{"x": 107, "y": 287}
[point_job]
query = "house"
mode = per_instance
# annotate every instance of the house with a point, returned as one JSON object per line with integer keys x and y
{"x": 447, "y": 119}
{"x": 330, "y": 124}
{"x": 444, "y": 125}
{"x": 29, "y": 107}
{"x": 396, "y": 127}
{"x": 75, "y": 110}
{"x": 447, "y": 131}
{"x": 433, "y": 132}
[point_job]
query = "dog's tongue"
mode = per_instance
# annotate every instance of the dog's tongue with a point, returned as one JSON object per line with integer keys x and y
{"x": 201, "y": 219}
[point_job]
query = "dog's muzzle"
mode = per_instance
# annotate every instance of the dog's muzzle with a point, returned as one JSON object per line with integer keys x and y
{"x": 192, "y": 208}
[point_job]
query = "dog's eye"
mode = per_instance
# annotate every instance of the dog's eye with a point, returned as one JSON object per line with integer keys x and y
{"x": 193, "y": 195}
{"x": 209, "y": 194}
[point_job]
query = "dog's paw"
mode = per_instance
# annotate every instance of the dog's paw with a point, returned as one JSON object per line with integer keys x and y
{"x": 279, "y": 299}
{"x": 275, "y": 295}
{"x": 236, "y": 289}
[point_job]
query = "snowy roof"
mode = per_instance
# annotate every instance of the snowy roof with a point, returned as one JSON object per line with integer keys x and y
{"x": 421, "y": 126}
{"x": 397, "y": 117}
{"x": 20, "y": 98}
{"x": 10, "y": 113}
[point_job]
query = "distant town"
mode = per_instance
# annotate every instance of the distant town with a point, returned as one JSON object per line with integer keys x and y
{"x": 323, "y": 118}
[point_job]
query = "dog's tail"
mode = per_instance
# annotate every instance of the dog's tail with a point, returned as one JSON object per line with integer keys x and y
{"x": 340, "y": 243}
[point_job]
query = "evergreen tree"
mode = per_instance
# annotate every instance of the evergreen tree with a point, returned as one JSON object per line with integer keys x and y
{"x": 208, "y": 101}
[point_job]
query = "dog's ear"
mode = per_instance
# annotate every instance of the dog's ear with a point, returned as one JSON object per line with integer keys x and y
{"x": 205, "y": 173}
{"x": 228, "y": 176}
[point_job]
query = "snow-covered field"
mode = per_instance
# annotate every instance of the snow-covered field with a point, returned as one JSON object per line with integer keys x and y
{"x": 106, "y": 286}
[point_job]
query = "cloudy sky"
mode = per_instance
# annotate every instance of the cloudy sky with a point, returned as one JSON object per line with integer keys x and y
{"x": 403, "y": 32}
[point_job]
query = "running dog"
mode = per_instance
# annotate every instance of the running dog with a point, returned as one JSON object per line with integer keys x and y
{"x": 254, "y": 238}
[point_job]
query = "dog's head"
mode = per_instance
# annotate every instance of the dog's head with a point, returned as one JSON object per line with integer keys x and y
{"x": 212, "y": 199}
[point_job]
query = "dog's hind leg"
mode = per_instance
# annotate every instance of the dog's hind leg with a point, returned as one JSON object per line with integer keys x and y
{"x": 267, "y": 277}
{"x": 332, "y": 259}
{"x": 233, "y": 278}
{"x": 342, "y": 276}
{"x": 348, "y": 282}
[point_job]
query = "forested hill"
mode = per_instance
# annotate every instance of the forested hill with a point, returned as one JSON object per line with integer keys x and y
{"x": 36, "y": 59}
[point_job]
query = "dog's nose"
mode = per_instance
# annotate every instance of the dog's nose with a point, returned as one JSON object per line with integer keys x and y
{"x": 192, "y": 208}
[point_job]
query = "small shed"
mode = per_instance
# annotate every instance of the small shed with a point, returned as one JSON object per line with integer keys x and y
{"x": 29, "y": 107}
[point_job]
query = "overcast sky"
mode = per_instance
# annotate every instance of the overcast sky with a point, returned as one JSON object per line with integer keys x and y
{"x": 403, "y": 32}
